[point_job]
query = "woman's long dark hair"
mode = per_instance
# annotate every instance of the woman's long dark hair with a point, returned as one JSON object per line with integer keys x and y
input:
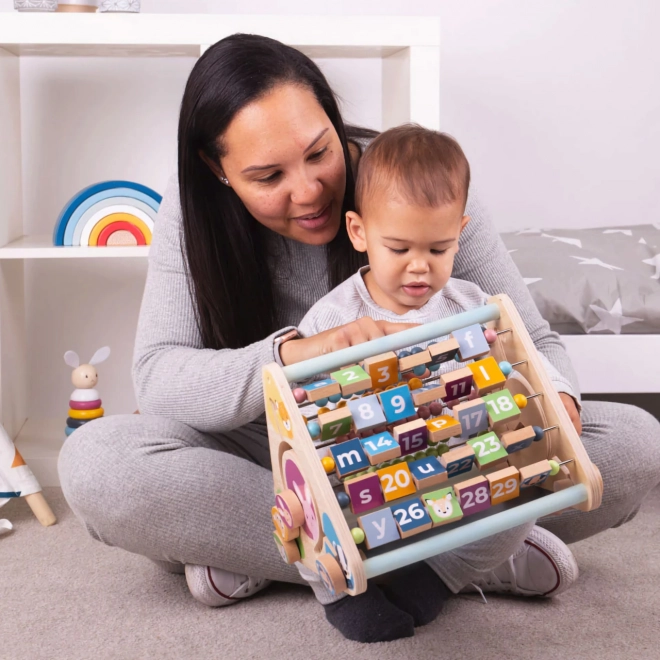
{"x": 225, "y": 251}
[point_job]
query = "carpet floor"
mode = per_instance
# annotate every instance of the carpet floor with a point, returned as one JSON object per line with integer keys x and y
{"x": 64, "y": 596}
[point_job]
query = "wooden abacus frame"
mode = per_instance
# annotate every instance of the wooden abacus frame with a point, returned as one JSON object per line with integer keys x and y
{"x": 288, "y": 431}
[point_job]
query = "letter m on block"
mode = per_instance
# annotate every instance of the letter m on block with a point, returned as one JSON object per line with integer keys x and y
{"x": 349, "y": 457}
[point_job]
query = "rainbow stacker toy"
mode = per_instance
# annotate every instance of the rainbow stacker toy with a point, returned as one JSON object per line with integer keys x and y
{"x": 414, "y": 460}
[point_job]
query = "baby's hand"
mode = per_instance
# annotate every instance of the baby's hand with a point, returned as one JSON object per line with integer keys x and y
{"x": 351, "y": 334}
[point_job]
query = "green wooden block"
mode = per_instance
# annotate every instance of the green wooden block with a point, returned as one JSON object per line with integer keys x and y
{"x": 443, "y": 506}
{"x": 500, "y": 406}
{"x": 336, "y": 428}
{"x": 487, "y": 449}
{"x": 352, "y": 379}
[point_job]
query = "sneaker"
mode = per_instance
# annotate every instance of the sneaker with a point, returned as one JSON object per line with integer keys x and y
{"x": 216, "y": 588}
{"x": 543, "y": 566}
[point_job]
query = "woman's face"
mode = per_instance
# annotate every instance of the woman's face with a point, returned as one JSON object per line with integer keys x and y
{"x": 286, "y": 163}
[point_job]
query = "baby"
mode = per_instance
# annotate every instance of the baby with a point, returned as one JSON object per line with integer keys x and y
{"x": 410, "y": 199}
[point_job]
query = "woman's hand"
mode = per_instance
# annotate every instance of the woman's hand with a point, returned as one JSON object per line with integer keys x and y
{"x": 572, "y": 411}
{"x": 351, "y": 334}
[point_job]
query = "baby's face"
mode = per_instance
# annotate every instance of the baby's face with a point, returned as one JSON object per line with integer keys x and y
{"x": 411, "y": 249}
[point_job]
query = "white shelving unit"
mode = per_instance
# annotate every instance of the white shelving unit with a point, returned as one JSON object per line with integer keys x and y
{"x": 409, "y": 49}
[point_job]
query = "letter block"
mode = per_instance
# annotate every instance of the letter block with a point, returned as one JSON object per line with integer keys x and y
{"x": 502, "y": 409}
{"x": 427, "y": 472}
{"x": 335, "y": 423}
{"x": 349, "y": 458}
{"x": 443, "y": 351}
{"x": 397, "y": 403}
{"x": 488, "y": 449}
{"x": 504, "y": 485}
{"x": 471, "y": 342}
{"x": 519, "y": 439}
{"x": 396, "y": 481}
{"x": 428, "y": 393}
{"x": 412, "y": 436}
{"x": 411, "y": 517}
{"x": 487, "y": 375}
{"x": 458, "y": 383}
{"x": 458, "y": 460}
{"x": 321, "y": 389}
{"x": 472, "y": 416}
{"x": 379, "y": 528}
{"x": 473, "y": 495}
{"x": 352, "y": 379}
{"x": 367, "y": 412}
{"x": 383, "y": 369}
{"x": 365, "y": 493}
{"x": 534, "y": 474}
{"x": 380, "y": 448}
{"x": 442, "y": 428}
{"x": 443, "y": 507}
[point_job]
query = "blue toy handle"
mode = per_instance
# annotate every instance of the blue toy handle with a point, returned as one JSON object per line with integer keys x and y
{"x": 338, "y": 359}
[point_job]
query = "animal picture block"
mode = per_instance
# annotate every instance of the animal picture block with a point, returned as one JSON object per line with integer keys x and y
{"x": 443, "y": 507}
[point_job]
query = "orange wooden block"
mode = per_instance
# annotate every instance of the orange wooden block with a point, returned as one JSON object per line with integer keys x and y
{"x": 396, "y": 481}
{"x": 504, "y": 485}
{"x": 414, "y": 360}
{"x": 487, "y": 375}
{"x": 383, "y": 369}
{"x": 420, "y": 397}
{"x": 442, "y": 428}
{"x": 286, "y": 533}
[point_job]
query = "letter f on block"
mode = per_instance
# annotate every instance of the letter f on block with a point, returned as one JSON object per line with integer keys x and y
{"x": 468, "y": 338}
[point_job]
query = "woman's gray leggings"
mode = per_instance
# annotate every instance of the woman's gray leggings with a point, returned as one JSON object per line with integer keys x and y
{"x": 164, "y": 490}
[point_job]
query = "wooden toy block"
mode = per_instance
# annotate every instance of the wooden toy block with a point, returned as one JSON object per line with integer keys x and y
{"x": 502, "y": 409}
{"x": 352, "y": 379}
{"x": 379, "y": 528}
{"x": 289, "y": 550}
{"x": 285, "y": 533}
{"x": 534, "y": 474}
{"x": 396, "y": 481}
{"x": 442, "y": 428}
{"x": 331, "y": 574}
{"x": 367, "y": 412}
{"x": 443, "y": 351}
{"x": 473, "y": 495}
{"x": 335, "y": 423}
{"x": 415, "y": 360}
{"x": 383, "y": 369}
{"x": 380, "y": 448}
{"x": 94, "y": 413}
{"x": 514, "y": 441}
{"x": 443, "y": 506}
{"x": 487, "y": 375}
{"x": 488, "y": 449}
{"x": 472, "y": 416}
{"x": 397, "y": 403}
{"x": 427, "y": 472}
{"x": 349, "y": 458}
{"x": 504, "y": 485}
{"x": 290, "y": 509}
{"x": 458, "y": 460}
{"x": 471, "y": 342}
{"x": 411, "y": 517}
{"x": 412, "y": 436}
{"x": 365, "y": 493}
{"x": 321, "y": 389}
{"x": 428, "y": 393}
{"x": 458, "y": 383}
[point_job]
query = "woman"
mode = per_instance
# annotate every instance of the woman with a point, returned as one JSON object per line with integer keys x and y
{"x": 246, "y": 241}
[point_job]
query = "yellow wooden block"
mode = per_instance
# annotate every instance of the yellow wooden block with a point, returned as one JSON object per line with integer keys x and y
{"x": 396, "y": 481}
{"x": 420, "y": 397}
{"x": 383, "y": 369}
{"x": 414, "y": 360}
{"x": 285, "y": 533}
{"x": 487, "y": 375}
{"x": 442, "y": 428}
{"x": 94, "y": 413}
{"x": 504, "y": 485}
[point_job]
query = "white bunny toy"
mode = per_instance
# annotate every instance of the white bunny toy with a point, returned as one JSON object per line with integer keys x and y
{"x": 85, "y": 403}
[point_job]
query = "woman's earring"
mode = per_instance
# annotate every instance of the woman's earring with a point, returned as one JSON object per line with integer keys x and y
{"x": 225, "y": 180}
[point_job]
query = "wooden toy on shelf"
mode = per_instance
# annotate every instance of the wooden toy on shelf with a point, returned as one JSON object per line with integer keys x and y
{"x": 435, "y": 456}
{"x": 85, "y": 402}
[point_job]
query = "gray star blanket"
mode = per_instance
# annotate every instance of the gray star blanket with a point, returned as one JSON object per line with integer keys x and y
{"x": 596, "y": 281}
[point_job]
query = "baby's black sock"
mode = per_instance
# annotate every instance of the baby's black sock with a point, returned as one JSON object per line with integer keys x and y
{"x": 419, "y": 591}
{"x": 369, "y": 617}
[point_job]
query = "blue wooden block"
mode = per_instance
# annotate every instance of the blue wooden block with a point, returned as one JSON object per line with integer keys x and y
{"x": 379, "y": 528}
{"x": 349, "y": 457}
{"x": 366, "y": 412}
{"x": 411, "y": 517}
{"x": 380, "y": 447}
{"x": 321, "y": 389}
{"x": 471, "y": 342}
{"x": 427, "y": 471}
{"x": 397, "y": 403}
{"x": 458, "y": 461}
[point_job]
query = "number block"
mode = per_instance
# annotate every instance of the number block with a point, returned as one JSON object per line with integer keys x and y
{"x": 365, "y": 493}
{"x": 443, "y": 351}
{"x": 534, "y": 474}
{"x": 383, "y": 369}
{"x": 396, "y": 481}
{"x": 427, "y": 472}
{"x": 335, "y": 423}
{"x": 502, "y": 409}
{"x": 366, "y": 412}
{"x": 471, "y": 342}
{"x": 397, "y": 403}
{"x": 504, "y": 485}
{"x": 443, "y": 507}
{"x": 321, "y": 389}
{"x": 458, "y": 461}
{"x": 472, "y": 416}
{"x": 379, "y": 528}
{"x": 349, "y": 458}
{"x": 514, "y": 441}
{"x": 442, "y": 428}
{"x": 488, "y": 449}
{"x": 414, "y": 360}
{"x": 487, "y": 375}
{"x": 473, "y": 495}
{"x": 458, "y": 383}
{"x": 412, "y": 436}
{"x": 352, "y": 379}
{"x": 411, "y": 517}
{"x": 381, "y": 447}
{"x": 428, "y": 393}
